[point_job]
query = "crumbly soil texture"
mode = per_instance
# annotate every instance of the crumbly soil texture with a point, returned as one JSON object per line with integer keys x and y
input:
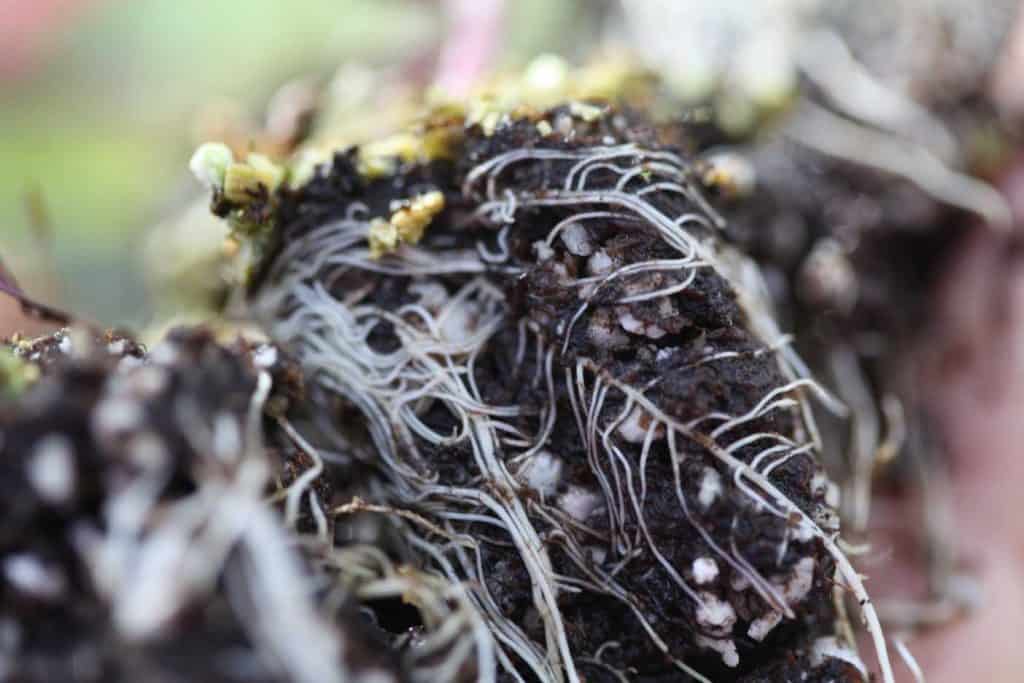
{"x": 578, "y": 402}
{"x": 135, "y": 537}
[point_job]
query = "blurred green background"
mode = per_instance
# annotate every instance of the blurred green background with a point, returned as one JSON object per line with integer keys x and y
{"x": 98, "y": 103}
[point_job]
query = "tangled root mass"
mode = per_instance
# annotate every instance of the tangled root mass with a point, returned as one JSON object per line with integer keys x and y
{"x": 579, "y": 407}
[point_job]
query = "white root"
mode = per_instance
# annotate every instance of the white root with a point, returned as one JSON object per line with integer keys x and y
{"x": 786, "y": 506}
{"x": 440, "y": 338}
{"x": 830, "y": 134}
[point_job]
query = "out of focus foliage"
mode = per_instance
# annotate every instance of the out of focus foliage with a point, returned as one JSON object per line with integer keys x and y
{"x": 101, "y": 126}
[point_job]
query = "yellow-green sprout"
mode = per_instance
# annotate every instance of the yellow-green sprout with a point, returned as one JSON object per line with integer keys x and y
{"x": 242, "y": 181}
{"x": 406, "y": 225}
{"x": 210, "y": 162}
{"x": 213, "y": 164}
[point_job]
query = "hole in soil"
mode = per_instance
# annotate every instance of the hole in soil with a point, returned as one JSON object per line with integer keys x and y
{"x": 394, "y": 615}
